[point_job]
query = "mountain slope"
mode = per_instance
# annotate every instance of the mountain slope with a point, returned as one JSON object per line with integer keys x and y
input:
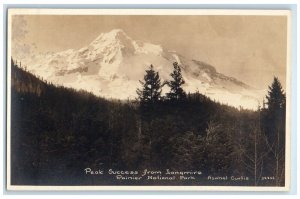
{"x": 111, "y": 65}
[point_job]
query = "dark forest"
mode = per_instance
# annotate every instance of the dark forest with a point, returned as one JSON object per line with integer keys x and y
{"x": 57, "y": 132}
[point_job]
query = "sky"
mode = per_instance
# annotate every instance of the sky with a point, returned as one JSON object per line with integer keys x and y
{"x": 249, "y": 48}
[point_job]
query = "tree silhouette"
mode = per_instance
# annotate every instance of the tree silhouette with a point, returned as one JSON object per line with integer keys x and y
{"x": 276, "y": 96}
{"x": 151, "y": 90}
{"x": 275, "y": 113}
{"x": 176, "y": 93}
{"x": 274, "y": 126}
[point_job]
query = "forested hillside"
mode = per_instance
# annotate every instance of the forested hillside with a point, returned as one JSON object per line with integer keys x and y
{"x": 57, "y": 132}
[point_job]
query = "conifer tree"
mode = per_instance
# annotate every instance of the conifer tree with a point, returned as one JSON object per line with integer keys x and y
{"x": 274, "y": 126}
{"x": 148, "y": 96}
{"x": 176, "y": 93}
{"x": 151, "y": 91}
{"x": 274, "y": 116}
{"x": 276, "y": 96}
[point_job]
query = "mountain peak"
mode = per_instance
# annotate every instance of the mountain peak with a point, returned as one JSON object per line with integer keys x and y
{"x": 116, "y": 31}
{"x": 113, "y": 35}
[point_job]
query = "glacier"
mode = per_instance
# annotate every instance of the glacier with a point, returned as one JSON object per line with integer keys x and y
{"x": 112, "y": 65}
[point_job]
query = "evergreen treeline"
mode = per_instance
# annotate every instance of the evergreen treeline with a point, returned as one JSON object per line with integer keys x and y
{"x": 57, "y": 132}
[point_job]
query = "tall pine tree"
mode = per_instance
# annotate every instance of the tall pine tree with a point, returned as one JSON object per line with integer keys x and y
{"x": 276, "y": 96}
{"x": 274, "y": 116}
{"x": 176, "y": 92}
{"x": 275, "y": 112}
{"x": 149, "y": 97}
{"x": 151, "y": 90}
{"x": 274, "y": 127}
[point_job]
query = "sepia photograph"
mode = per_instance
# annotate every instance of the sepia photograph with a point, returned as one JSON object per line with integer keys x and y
{"x": 148, "y": 99}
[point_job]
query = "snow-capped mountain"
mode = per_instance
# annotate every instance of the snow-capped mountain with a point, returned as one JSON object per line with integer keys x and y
{"x": 111, "y": 65}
